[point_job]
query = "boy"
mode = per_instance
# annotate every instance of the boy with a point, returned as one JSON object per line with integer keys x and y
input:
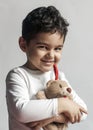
{"x": 43, "y": 35}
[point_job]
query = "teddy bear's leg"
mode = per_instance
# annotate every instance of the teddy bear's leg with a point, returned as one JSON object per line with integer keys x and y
{"x": 51, "y": 126}
{"x": 62, "y": 126}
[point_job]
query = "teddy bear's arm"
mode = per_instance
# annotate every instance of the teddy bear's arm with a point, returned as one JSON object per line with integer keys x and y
{"x": 40, "y": 95}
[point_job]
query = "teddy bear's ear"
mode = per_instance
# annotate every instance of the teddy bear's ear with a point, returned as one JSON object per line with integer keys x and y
{"x": 49, "y": 82}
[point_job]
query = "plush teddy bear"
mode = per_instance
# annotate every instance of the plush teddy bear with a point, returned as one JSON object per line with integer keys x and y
{"x": 54, "y": 89}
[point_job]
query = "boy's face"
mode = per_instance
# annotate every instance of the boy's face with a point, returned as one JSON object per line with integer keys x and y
{"x": 43, "y": 51}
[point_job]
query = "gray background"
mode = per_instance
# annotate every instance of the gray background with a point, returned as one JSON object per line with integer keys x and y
{"x": 77, "y": 59}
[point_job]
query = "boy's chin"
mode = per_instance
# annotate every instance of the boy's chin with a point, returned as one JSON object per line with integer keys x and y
{"x": 46, "y": 69}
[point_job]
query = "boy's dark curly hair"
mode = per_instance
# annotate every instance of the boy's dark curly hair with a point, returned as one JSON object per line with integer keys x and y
{"x": 43, "y": 19}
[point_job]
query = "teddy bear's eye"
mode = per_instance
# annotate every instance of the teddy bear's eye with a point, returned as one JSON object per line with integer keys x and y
{"x": 60, "y": 85}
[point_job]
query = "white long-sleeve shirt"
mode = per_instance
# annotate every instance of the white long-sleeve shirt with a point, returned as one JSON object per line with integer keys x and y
{"x": 22, "y": 84}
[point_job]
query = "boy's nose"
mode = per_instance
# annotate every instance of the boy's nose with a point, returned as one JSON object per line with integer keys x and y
{"x": 50, "y": 54}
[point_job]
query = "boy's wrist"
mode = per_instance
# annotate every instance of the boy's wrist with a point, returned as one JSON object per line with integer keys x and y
{"x": 61, "y": 107}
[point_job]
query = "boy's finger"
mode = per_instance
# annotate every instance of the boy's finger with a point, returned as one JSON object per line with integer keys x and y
{"x": 83, "y": 110}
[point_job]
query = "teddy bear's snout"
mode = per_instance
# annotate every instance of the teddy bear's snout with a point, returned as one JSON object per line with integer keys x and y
{"x": 69, "y": 90}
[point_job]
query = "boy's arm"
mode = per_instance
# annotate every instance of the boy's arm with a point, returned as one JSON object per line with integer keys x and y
{"x": 41, "y": 123}
{"x": 76, "y": 98}
{"x": 19, "y": 103}
{"x": 38, "y": 124}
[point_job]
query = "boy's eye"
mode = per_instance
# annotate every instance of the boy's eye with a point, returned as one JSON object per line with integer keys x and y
{"x": 42, "y": 47}
{"x": 58, "y": 48}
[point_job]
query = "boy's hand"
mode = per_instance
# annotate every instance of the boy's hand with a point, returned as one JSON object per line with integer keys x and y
{"x": 61, "y": 119}
{"x": 76, "y": 114}
{"x": 71, "y": 109}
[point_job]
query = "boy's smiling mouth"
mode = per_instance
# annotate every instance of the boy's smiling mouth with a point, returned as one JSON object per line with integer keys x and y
{"x": 48, "y": 61}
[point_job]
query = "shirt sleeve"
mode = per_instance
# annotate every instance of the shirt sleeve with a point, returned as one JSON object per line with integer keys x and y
{"x": 76, "y": 98}
{"x": 19, "y": 104}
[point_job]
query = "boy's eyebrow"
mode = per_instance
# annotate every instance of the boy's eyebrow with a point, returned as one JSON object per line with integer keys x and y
{"x": 41, "y": 43}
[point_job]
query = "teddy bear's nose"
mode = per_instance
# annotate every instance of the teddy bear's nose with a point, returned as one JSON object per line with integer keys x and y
{"x": 69, "y": 90}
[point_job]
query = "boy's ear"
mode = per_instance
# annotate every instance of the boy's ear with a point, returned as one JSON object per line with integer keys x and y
{"x": 22, "y": 44}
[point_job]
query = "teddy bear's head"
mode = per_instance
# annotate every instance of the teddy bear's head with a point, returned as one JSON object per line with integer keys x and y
{"x": 57, "y": 88}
